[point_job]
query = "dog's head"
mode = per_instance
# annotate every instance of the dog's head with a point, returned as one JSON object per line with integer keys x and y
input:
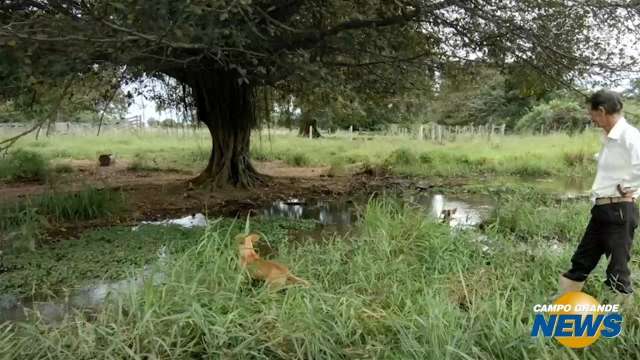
{"x": 247, "y": 240}
{"x": 245, "y": 248}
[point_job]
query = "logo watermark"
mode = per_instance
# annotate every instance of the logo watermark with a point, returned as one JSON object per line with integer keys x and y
{"x": 577, "y": 320}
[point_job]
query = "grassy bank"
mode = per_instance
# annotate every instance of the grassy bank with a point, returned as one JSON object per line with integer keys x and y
{"x": 400, "y": 287}
{"x": 519, "y": 155}
{"x": 24, "y": 223}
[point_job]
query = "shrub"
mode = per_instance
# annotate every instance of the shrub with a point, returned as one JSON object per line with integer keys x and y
{"x": 297, "y": 159}
{"x": 425, "y": 158}
{"x": 579, "y": 158}
{"x": 401, "y": 156}
{"x": 557, "y": 115}
{"x": 259, "y": 154}
{"x": 23, "y": 165}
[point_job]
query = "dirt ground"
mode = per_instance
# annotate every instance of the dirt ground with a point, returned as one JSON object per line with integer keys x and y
{"x": 155, "y": 195}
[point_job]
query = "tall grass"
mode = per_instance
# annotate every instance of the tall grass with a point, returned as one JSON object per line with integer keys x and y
{"x": 23, "y": 165}
{"x": 24, "y": 223}
{"x": 527, "y": 215}
{"x": 401, "y": 287}
{"x": 88, "y": 204}
{"x": 296, "y": 159}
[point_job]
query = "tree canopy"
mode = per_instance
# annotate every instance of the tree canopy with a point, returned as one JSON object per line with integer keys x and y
{"x": 220, "y": 51}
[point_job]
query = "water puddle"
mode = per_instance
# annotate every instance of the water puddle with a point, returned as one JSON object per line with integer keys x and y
{"x": 466, "y": 211}
{"x": 189, "y": 221}
{"x": 86, "y": 299}
{"x": 564, "y": 187}
{"x": 333, "y": 217}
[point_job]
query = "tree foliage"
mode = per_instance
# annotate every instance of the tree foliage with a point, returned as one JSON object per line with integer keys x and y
{"x": 26, "y": 97}
{"x": 478, "y": 94}
{"x": 556, "y": 115}
{"x": 222, "y": 50}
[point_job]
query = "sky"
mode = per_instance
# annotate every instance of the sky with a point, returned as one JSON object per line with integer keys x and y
{"x": 145, "y": 107}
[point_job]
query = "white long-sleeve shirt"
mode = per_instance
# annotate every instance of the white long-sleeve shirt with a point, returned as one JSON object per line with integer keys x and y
{"x": 618, "y": 161}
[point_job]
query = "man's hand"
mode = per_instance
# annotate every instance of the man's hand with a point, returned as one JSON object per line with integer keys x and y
{"x": 627, "y": 192}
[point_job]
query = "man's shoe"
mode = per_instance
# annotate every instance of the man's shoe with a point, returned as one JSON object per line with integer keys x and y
{"x": 566, "y": 285}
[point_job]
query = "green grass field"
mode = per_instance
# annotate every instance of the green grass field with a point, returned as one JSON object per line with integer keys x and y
{"x": 398, "y": 285}
{"x": 519, "y": 155}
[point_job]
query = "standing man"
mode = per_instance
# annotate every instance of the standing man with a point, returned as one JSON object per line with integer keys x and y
{"x": 614, "y": 215}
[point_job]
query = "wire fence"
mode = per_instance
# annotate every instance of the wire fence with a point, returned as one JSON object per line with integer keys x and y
{"x": 433, "y": 132}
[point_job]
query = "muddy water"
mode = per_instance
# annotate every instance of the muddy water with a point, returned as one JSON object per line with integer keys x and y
{"x": 467, "y": 210}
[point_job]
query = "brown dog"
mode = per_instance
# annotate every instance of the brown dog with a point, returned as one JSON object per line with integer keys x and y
{"x": 273, "y": 273}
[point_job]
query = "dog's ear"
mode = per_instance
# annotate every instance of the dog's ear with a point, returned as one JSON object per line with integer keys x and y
{"x": 454, "y": 211}
{"x": 253, "y": 238}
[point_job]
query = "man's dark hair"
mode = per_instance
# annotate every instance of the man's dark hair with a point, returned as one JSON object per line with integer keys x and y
{"x": 610, "y": 101}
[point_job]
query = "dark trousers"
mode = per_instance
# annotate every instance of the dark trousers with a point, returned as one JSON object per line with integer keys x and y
{"x": 610, "y": 232}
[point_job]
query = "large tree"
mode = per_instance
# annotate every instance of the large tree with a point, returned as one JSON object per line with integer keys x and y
{"x": 222, "y": 50}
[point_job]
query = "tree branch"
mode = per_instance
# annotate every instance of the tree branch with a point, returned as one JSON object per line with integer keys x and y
{"x": 7, "y": 143}
{"x": 310, "y": 39}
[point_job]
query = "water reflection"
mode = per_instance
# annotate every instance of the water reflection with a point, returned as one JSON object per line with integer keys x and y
{"x": 325, "y": 212}
{"x": 470, "y": 211}
{"x": 88, "y": 298}
{"x": 568, "y": 187}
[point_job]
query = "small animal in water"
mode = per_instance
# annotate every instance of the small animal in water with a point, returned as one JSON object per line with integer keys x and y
{"x": 106, "y": 159}
{"x": 447, "y": 215}
{"x": 271, "y": 272}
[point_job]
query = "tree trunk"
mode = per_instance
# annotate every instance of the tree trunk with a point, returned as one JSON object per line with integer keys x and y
{"x": 307, "y": 123}
{"x": 225, "y": 104}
